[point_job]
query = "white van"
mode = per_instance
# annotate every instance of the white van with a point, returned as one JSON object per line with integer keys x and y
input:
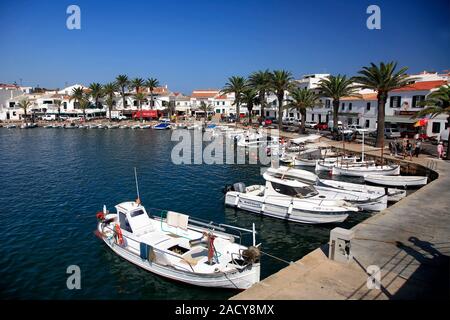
{"x": 49, "y": 117}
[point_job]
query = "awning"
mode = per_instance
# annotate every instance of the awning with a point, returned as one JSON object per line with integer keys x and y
{"x": 146, "y": 114}
{"x": 399, "y": 119}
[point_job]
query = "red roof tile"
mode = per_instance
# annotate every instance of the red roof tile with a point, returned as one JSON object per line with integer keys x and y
{"x": 422, "y": 86}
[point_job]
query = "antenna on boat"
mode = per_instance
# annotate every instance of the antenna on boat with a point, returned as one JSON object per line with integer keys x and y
{"x": 138, "y": 200}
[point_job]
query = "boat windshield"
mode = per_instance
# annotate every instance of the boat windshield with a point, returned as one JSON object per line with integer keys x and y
{"x": 299, "y": 192}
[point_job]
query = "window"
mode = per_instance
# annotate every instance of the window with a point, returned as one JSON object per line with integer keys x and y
{"x": 350, "y": 121}
{"x": 368, "y": 106}
{"x": 124, "y": 222}
{"x": 136, "y": 213}
{"x": 223, "y": 103}
{"x": 367, "y": 123}
{"x": 327, "y": 103}
{"x": 416, "y": 100}
{"x": 436, "y": 128}
{"x": 395, "y": 102}
{"x": 312, "y": 117}
{"x": 350, "y": 106}
{"x": 267, "y": 113}
{"x": 65, "y": 105}
{"x": 291, "y": 114}
{"x": 217, "y": 110}
{"x": 343, "y": 106}
{"x": 294, "y": 191}
{"x": 357, "y": 121}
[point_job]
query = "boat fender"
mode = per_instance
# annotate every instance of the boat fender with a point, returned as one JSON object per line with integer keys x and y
{"x": 100, "y": 216}
{"x": 290, "y": 208}
{"x": 119, "y": 236}
{"x": 236, "y": 202}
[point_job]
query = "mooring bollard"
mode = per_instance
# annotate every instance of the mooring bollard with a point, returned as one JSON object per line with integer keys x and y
{"x": 340, "y": 245}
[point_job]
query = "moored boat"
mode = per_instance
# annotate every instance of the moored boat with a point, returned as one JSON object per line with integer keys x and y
{"x": 397, "y": 181}
{"x": 180, "y": 248}
{"x": 361, "y": 171}
{"x": 162, "y": 126}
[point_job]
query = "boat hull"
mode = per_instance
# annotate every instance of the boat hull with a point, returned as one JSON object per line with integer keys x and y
{"x": 285, "y": 208}
{"x": 364, "y": 171}
{"x": 231, "y": 280}
{"x": 398, "y": 181}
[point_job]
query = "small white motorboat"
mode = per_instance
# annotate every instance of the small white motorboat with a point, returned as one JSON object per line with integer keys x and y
{"x": 113, "y": 126}
{"x": 397, "y": 181}
{"x": 305, "y": 139}
{"x": 11, "y": 126}
{"x": 48, "y": 126}
{"x": 180, "y": 248}
{"x": 362, "y": 200}
{"x": 362, "y": 171}
{"x": 145, "y": 126}
{"x": 93, "y": 126}
{"x": 28, "y": 125}
{"x": 270, "y": 201}
{"x": 136, "y": 126}
{"x": 124, "y": 126}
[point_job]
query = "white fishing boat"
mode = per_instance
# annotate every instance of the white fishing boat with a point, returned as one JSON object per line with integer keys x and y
{"x": 93, "y": 126}
{"x": 28, "y": 125}
{"x": 11, "y": 126}
{"x": 393, "y": 194}
{"x": 397, "y": 181}
{"x": 124, "y": 126}
{"x": 145, "y": 126}
{"x": 365, "y": 201}
{"x": 113, "y": 126}
{"x": 362, "y": 171}
{"x": 269, "y": 201}
{"x": 328, "y": 163}
{"x": 48, "y": 126}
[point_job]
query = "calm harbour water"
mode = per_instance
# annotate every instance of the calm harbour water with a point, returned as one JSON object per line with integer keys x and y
{"x": 53, "y": 181}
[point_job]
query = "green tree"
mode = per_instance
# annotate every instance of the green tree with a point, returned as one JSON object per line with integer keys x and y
{"x": 301, "y": 100}
{"x": 280, "y": 82}
{"x": 24, "y": 104}
{"x": 152, "y": 84}
{"x": 122, "y": 83}
{"x": 260, "y": 81}
{"x": 109, "y": 90}
{"x": 383, "y": 79}
{"x": 140, "y": 97}
{"x": 337, "y": 87}
{"x": 236, "y": 85}
{"x": 58, "y": 103}
{"x": 437, "y": 103}
{"x": 96, "y": 92}
{"x": 205, "y": 108}
{"x": 250, "y": 97}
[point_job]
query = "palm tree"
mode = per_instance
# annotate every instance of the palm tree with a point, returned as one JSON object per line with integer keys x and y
{"x": 122, "y": 82}
{"x": 280, "y": 81}
{"x": 96, "y": 92}
{"x": 81, "y": 98}
{"x": 137, "y": 84}
{"x": 260, "y": 81}
{"x": 205, "y": 108}
{"x": 109, "y": 90}
{"x": 301, "y": 100}
{"x": 438, "y": 102}
{"x": 84, "y": 103}
{"x": 152, "y": 83}
{"x": 24, "y": 104}
{"x": 236, "y": 85}
{"x": 140, "y": 97}
{"x": 382, "y": 79}
{"x": 250, "y": 98}
{"x": 58, "y": 104}
{"x": 337, "y": 87}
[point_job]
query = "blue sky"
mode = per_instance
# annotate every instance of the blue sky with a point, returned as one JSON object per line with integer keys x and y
{"x": 190, "y": 44}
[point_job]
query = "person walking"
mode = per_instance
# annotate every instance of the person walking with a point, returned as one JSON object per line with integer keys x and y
{"x": 440, "y": 150}
{"x": 417, "y": 148}
{"x": 409, "y": 149}
{"x": 404, "y": 145}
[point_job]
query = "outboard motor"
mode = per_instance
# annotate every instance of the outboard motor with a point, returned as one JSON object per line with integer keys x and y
{"x": 239, "y": 187}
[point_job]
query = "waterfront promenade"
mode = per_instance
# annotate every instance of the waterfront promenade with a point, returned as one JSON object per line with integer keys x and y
{"x": 409, "y": 242}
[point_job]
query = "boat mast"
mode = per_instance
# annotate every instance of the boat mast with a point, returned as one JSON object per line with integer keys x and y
{"x": 362, "y": 157}
{"x": 137, "y": 185}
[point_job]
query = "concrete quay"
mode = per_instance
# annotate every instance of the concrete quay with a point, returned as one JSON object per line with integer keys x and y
{"x": 409, "y": 242}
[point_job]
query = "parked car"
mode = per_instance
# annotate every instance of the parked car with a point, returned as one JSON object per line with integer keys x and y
{"x": 290, "y": 120}
{"x": 49, "y": 117}
{"x": 63, "y": 117}
{"x": 269, "y": 120}
{"x": 358, "y": 129}
{"x": 322, "y": 126}
{"x": 331, "y": 126}
{"x": 391, "y": 133}
{"x": 310, "y": 124}
{"x": 409, "y": 133}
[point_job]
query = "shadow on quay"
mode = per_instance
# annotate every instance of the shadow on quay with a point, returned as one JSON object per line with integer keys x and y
{"x": 418, "y": 270}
